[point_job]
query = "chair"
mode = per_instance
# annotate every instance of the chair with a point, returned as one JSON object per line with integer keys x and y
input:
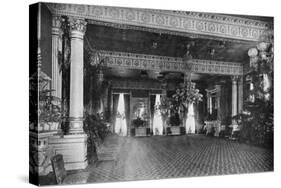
{"x": 235, "y": 132}
{"x": 61, "y": 175}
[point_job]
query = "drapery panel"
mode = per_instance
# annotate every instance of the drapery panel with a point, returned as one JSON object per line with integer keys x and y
{"x": 157, "y": 119}
{"x": 121, "y": 122}
{"x": 127, "y": 111}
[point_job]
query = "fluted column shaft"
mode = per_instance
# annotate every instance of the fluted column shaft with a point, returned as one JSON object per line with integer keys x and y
{"x": 218, "y": 99}
{"x": 240, "y": 95}
{"x": 76, "y": 108}
{"x": 234, "y": 97}
{"x": 56, "y": 46}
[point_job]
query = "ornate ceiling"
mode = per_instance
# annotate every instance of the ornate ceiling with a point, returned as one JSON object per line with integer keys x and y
{"x": 143, "y": 42}
{"x": 197, "y": 23}
{"x": 137, "y": 40}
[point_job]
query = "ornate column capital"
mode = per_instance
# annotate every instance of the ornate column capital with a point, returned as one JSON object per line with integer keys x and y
{"x": 77, "y": 27}
{"x": 218, "y": 90}
{"x": 234, "y": 79}
{"x": 56, "y": 25}
{"x": 240, "y": 80}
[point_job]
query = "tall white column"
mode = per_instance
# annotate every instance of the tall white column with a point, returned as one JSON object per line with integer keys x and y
{"x": 73, "y": 146}
{"x": 218, "y": 101}
{"x": 234, "y": 97}
{"x": 56, "y": 46}
{"x": 240, "y": 94}
{"x": 208, "y": 102}
{"x": 77, "y": 31}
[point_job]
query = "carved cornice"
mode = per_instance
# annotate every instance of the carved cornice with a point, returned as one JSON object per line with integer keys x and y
{"x": 56, "y": 21}
{"x": 234, "y": 79}
{"x": 180, "y": 21}
{"x": 163, "y": 63}
{"x": 139, "y": 84}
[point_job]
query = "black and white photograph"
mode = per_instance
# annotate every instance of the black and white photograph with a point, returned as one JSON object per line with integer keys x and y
{"x": 140, "y": 93}
{"x": 127, "y": 94}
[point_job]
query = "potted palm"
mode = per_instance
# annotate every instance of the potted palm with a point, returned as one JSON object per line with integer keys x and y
{"x": 49, "y": 112}
{"x": 48, "y": 108}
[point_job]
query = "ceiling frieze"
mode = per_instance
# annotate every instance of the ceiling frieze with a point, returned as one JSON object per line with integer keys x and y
{"x": 139, "y": 84}
{"x": 163, "y": 63}
{"x": 179, "y": 21}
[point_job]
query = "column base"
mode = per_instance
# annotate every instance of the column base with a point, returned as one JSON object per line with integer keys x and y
{"x": 76, "y": 126}
{"x": 73, "y": 148}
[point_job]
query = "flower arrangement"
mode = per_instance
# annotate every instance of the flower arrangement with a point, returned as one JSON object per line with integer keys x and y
{"x": 185, "y": 95}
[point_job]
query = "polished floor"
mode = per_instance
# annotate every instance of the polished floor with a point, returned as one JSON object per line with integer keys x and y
{"x": 160, "y": 157}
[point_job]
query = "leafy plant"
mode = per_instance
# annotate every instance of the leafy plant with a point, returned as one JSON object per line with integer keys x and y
{"x": 258, "y": 108}
{"x": 185, "y": 95}
{"x": 174, "y": 120}
{"x": 96, "y": 129}
{"x": 49, "y": 108}
{"x": 138, "y": 122}
{"x": 46, "y": 106}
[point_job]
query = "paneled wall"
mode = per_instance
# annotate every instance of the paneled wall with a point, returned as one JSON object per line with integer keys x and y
{"x": 46, "y": 42}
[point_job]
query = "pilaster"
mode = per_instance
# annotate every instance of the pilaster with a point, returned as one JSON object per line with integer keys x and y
{"x": 56, "y": 49}
{"x": 240, "y": 94}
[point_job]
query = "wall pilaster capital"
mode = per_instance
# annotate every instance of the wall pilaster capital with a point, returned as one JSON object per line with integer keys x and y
{"x": 77, "y": 27}
{"x": 240, "y": 80}
{"x": 56, "y": 25}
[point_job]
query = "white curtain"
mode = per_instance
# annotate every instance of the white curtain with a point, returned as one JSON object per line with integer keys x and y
{"x": 266, "y": 85}
{"x": 190, "y": 121}
{"x": 101, "y": 109}
{"x": 120, "y": 124}
{"x": 211, "y": 107}
{"x": 157, "y": 119}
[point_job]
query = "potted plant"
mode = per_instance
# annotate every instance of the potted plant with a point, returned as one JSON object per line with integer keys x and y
{"x": 140, "y": 127}
{"x": 48, "y": 108}
{"x": 49, "y": 113}
{"x": 174, "y": 123}
{"x": 96, "y": 128}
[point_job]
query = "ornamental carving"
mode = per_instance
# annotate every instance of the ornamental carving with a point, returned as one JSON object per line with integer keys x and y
{"x": 57, "y": 21}
{"x": 163, "y": 63}
{"x": 76, "y": 24}
{"x": 131, "y": 84}
{"x": 205, "y": 24}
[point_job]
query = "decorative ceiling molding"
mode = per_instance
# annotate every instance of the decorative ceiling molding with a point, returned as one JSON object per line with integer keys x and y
{"x": 137, "y": 84}
{"x": 180, "y": 21}
{"x": 162, "y": 31}
{"x": 163, "y": 63}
